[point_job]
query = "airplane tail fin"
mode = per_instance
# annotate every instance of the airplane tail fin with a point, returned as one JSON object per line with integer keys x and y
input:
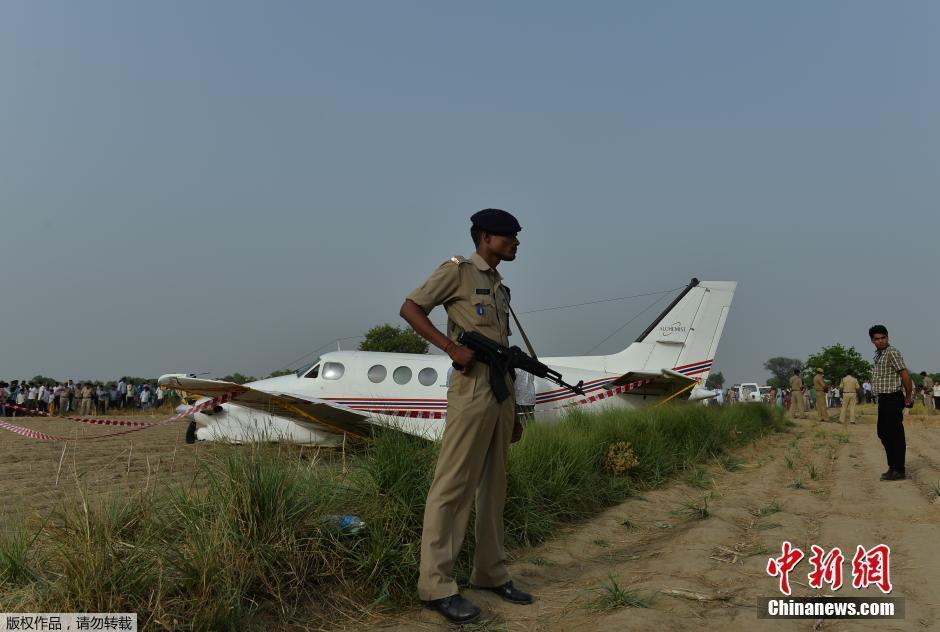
{"x": 685, "y": 336}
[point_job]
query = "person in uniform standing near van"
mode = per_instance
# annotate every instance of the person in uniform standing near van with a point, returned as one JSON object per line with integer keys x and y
{"x": 797, "y": 387}
{"x": 926, "y": 387}
{"x": 479, "y": 429}
{"x": 849, "y": 386}
{"x": 819, "y": 385}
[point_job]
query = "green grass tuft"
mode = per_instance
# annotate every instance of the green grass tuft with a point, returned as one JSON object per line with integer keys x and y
{"x": 613, "y": 597}
{"x": 730, "y": 462}
{"x": 814, "y": 472}
{"x": 696, "y": 476}
{"x": 933, "y": 489}
{"x": 694, "y": 510}
{"x": 771, "y": 508}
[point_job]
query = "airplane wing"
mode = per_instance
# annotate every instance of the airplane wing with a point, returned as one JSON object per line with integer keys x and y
{"x": 321, "y": 415}
{"x": 666, "y": 383}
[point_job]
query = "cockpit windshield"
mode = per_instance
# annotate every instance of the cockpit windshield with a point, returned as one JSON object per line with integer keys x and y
{"x": 302, "y": 371}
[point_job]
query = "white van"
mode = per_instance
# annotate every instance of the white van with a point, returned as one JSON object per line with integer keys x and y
{"x": 765, "y": 394}
{"x": 749, "y": 392}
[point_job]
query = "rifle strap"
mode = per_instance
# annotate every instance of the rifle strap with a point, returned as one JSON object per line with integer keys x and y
{"x": 522, "y": 331}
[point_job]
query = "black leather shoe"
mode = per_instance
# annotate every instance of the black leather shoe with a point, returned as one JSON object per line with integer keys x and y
{"x": 455, "y": 609}
{"x": 509, "y": 593}
{"x": 893, "y": 475}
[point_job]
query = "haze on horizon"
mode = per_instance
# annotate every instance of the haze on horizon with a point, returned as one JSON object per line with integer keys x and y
{"x": 227, "y": 186}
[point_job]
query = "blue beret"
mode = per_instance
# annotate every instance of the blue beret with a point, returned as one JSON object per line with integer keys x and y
{"x": 497, "y": 221}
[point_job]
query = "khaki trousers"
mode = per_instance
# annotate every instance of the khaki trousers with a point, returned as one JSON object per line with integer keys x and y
{"x": 796, "y": 404}
{"x": 471, "y": 464}
{"x": 86, "y": 406}
{"x": 63, "y": 405}
{"x": 848, "y": 404}
{"x": 821, "y": 407}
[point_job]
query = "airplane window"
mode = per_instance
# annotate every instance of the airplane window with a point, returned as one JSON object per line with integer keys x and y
{"x": 301, "y": 372}
{"x": 377, "y": 373}
{"x": 427, "y": 376}
{"x": 333, "y": 370}
{"x": 314, "y": 372}
{"x": 402, "y": 375}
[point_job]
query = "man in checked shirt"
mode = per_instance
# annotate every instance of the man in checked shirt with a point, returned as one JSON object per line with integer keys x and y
{"x": 891, "y": 376}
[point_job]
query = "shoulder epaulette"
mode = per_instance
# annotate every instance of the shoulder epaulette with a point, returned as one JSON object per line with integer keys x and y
{"x": 458, "y": 259}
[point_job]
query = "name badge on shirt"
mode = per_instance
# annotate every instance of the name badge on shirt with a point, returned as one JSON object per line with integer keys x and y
{"x": 483, "y": 290}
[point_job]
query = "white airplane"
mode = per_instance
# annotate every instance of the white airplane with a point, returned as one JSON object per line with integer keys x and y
{"x": 349, "y": 392}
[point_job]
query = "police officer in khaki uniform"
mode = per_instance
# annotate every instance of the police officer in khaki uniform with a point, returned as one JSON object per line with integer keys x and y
{"x": 86, "y": 399}
{"x": 63, "y": 399}
{"x": 479, "y": 429}
{"x": 849, "y": 386}
{"x": 797, "y": 405}
{"x": 819, "y": 385}
{"x": 926, "y": 387}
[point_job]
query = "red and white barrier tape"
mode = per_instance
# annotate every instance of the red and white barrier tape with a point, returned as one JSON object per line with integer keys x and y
{"x": 82, "y": 420}
{"x": 42, "y": 436}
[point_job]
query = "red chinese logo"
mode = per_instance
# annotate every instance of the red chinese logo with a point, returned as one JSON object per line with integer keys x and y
{"x": 827, "y": 569}
{"x": 781, "y": 566}
{"x": 869, "y": 567}
{"x": 872, "y": 567}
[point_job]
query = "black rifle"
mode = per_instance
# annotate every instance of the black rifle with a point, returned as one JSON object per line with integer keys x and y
{"x": 502, "y": 359}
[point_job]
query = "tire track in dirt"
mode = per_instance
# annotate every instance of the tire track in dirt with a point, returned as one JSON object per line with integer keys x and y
{"x": 868, "y": 511}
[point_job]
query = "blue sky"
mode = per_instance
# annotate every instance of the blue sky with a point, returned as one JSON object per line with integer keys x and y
{"x": 226, "y": 186}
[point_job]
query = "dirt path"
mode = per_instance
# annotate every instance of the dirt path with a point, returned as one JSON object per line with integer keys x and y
{"x": 815, "y": 485}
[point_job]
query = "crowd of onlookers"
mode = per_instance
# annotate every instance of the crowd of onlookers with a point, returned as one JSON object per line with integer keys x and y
{"x": 81, "y": 398}
{"x": 928, "y": 393}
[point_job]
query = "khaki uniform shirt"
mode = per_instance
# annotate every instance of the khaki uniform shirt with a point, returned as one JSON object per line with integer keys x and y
{"x": 473, "y": 295}
{"x": 796, "y": 383}
{"x": 849, "y": 385}
{"x": 819, "y": 383}
{"x": 927, "y": 385}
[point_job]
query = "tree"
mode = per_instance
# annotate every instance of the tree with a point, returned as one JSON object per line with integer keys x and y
{"x": 238, "y": 378}
{"x": 782, "y": 369}
{"x": 280, "y": 372}
{"x": 835, "y": 360}
{"x": 715, "y": 380}
{"x": 391, "y": 339}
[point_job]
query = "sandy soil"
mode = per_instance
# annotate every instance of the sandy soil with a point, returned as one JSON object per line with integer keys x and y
{"x": 710, "y": 573}
{"x": 36, "y": 475}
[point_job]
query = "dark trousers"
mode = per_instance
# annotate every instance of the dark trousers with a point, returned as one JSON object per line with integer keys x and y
{"x": 891, "y": 428}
